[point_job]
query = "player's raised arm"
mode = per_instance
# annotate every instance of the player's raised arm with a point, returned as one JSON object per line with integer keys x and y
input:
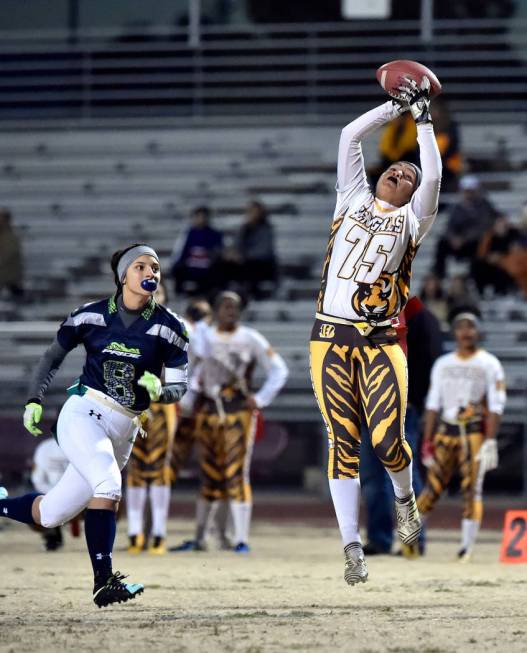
{"x": 351, "y": 173}
{"x": 425, "y": 199}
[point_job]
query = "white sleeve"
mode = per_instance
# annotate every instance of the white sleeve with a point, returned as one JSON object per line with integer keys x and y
{"x": 425, "y": 200}
{"x": 351, "y": 173}
{"x": 200, "y": 345}
{"x": 433, "y": 398}
{"x": 496, "y": 393}
{"x": 275, "y": 367}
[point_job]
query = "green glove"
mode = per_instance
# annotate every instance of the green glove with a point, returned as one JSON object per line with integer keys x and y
{"x": 151, "y": 384}
{"x": 32, "y": 416}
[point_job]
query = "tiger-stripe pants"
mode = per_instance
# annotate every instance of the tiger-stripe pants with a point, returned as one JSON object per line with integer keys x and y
{"x": 356, "y": 377}
{"x": 149, "y": 462}
{"x": 183, "y": 444}
{"x": 225, "y": 445}
{"x": 455, "y": 451}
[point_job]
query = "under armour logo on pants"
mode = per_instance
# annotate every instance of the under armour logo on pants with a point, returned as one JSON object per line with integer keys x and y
{"x": 94, "y": 414}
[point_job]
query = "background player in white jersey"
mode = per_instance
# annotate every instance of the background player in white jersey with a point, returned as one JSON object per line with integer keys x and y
{"x": 463, "y": 411}
{"x": 227, "y": 354}
{"x": 358, "y": 369}
{"x": 49, "y": 464}
{"x": 128, "y": 340}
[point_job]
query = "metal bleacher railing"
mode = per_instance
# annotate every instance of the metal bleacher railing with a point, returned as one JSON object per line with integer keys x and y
{"x": 304, "y": 72}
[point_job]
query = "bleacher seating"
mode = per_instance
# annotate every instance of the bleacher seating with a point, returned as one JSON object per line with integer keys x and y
{"x": 76, "y": 196}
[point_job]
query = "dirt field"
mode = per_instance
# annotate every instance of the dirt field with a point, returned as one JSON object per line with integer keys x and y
{"x": 288, "y": 595}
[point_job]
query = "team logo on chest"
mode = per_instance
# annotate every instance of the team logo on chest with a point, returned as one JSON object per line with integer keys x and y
{"x": 121, "y": 349}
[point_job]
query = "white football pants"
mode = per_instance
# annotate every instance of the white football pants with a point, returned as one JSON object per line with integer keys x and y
{"x": 97, "y": 441}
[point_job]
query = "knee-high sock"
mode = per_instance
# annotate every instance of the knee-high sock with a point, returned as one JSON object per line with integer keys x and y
{"x": 469, "y": 533}
{"x": 159, "y": 504}
{"x": 135, "y": 509}
{"x": 99, "y": 528}
{"x": 241, "y": 518}
{"x": 345, "y": 493}
{"x": 19, "y": 508}
{"x": 205, "y": 511}
{"x": 402, "y": 482}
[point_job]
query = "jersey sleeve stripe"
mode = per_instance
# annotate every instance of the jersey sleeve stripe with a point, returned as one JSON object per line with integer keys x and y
{"x": 85, "y": 318}
{"x": 168, "y": 334}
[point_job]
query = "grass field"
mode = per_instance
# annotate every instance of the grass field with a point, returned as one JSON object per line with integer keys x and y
{"x": 287, "y": 595}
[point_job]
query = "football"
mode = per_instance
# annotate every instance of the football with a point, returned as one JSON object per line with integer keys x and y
{"x": 391, "y": 74}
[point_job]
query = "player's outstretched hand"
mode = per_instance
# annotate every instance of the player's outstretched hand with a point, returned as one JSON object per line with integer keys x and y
{"x": 32, "y": 416}
{"x": 151, "y": 384}
{"x": 488, "y": 455}
{"x": 417, "y": 98}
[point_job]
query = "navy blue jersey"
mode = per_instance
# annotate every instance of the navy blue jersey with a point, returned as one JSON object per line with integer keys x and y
{"x": 116, "y": 356}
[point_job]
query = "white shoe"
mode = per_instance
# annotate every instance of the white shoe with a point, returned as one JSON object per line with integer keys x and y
{"x": 355, "y": 569}
{"x": 408, "y": 520}
{"x": 3, "y": 493}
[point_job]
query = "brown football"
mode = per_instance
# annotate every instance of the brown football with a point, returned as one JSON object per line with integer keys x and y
{"x": 390, "y": 75}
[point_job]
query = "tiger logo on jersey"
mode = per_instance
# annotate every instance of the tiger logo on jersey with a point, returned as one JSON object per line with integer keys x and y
{"x": 379, "y": 299}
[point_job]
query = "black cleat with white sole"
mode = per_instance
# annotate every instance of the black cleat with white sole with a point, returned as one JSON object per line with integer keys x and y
{"x": 115, "y": 591}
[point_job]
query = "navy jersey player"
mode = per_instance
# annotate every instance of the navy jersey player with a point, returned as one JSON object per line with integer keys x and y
{"x": 128, "y": 339}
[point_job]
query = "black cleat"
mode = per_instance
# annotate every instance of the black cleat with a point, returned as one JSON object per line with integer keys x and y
{"x": 115, "y": 591}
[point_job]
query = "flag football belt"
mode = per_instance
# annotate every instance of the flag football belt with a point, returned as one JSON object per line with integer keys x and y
{"x": 105, "y": 400}
{"x": 364, "y": 328}
{"x": 448, "y": 427}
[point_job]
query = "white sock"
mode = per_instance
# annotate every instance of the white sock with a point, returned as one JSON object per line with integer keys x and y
{"x": 345, "y": 493}
{"x": 205, "y": 511}
{"x": 159, "y": 505}
{"x": 135, "y": 509}
{"x": 241, "y": 517}
{"x": 402, "y": 482}
{"x": 469, "y": 533}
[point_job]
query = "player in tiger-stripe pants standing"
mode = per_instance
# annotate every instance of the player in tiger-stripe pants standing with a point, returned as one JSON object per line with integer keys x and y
{"x": 149, "y": 472}
{"x": 463, "y": 411}
{"x": 227, "y": 353}
{"x": 358, "y": 369}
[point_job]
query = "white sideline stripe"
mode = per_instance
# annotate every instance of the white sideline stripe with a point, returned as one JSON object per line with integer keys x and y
{"x": 168, "y": 334}
{"x": 85, "y": 318}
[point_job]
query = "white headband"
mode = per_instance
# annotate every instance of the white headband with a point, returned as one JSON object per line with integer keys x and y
{"x": 471, "y": 317}
{"x": 129, "y": 257}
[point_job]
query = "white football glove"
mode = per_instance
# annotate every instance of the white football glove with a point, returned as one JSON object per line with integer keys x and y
{"x": 417, "y": 98}
{"x": 488, "y": 455}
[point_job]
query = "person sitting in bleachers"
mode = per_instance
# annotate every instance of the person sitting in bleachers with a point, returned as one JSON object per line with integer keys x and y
{"x": 196, "y": 256}
{"x": 11, "y": 266}
{"x": 514, "y": 261}
{"x": 252, "y": 263}
{"x": 398, "y": 142}
{"x": 469, "y": 218}
{"x": 488, "y": 269}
